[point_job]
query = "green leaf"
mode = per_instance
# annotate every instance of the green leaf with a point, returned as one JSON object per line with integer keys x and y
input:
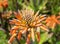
{"x": 22, "y": 41}
{"x": 3, "y": 39}
{"x": 31, "y": 4}
{"x": 20, "y": 1}
{"x": 1, "y": 9}
{"x": 42, "y": 5}
{"x": 58, "y": 42}
{"x": 44, "y": 37}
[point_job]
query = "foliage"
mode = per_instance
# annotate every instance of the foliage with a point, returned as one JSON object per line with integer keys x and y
{"x": 3, "y": 36}
{"x": 44, "y": 14}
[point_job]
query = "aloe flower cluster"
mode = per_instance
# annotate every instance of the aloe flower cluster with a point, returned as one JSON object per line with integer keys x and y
{"x": 29, "y": 24}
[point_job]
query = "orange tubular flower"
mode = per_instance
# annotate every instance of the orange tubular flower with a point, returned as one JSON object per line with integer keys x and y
{"x": 4, "y": 3}
{"x": 28, "y": 39}
{"x": 52, "y": 21}
{"x": 0, "y": 3}
{"x": 25, "y": 21}
{"x": 12, "y": 38}
{"x": 7, "y": 14}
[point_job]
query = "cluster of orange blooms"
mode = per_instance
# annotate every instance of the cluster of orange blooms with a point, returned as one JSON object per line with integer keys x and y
{"x": 3, "y": 3}
{"x": 7, "y": 14}
{"x": 28, "y": 21}
{"x": 52, "y": 21}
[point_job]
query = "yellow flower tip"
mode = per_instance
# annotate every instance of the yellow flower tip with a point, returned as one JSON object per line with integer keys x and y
{"x": 32, "y": 34}
{"x": 9, "y": 42}
{"x": 42, "y": 16}
{"x": 44, "y": 28}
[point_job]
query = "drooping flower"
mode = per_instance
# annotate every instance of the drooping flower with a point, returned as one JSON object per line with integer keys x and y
{"x": 3, "y": 3}
{"x": 51, "y": 21}
{"x": 0, "y": 3}
{"x": 27, "y": 21}
{"x": 6, "y": 14}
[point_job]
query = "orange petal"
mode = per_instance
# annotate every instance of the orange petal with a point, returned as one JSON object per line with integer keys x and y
{"x": 33, "y": 24}
{"x": 32, "y": 34}
{"x": 39, "y": 24}
{"x": 12, "y": 38}
{"x": 5, "y": 4}
{"x": 58, "y": 17}
{"x": 18, "y": 16}
{"x": 36, "y": 15}
{"x": 44, "y": 28}
{"x": 19, "y": 35}
{"x": 40, "y": 20}
{"x": 15, "y": 21}
{"x": 48, "y": 23}
{"x": 36, "y": 18}
{"x": 53, "y": 25}
{"x": 38, "y": 36}
{"x": 22, "y": 27}
{"x": 28, "y": 39}
{"x": 48, "y": 19}
{"x": 12, "y": 32}
{"x": 0, "y": 5}
{"x": 42, "y": 16}
{"x": 14, "y": 29}
{"x": 25, "y": 30}
{"x": 55, "y": 20}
